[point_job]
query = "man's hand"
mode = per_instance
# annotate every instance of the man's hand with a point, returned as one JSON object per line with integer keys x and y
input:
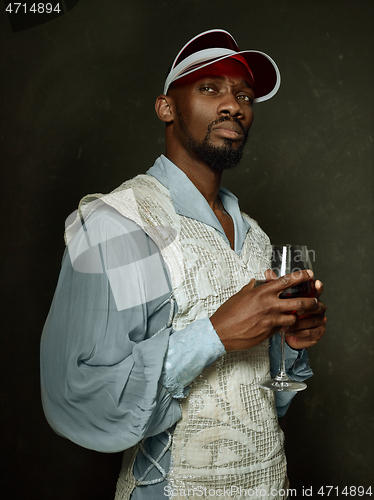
{"x": 254, "y": 314}
{"x": 310, "y": 325}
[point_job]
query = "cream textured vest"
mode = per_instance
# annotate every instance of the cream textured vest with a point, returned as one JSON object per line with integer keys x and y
{"x": 228, "y": 442}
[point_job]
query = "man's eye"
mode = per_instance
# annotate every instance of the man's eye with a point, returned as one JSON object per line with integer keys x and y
{"x": 206, "y": 88}
{"x": 246, "y": 98}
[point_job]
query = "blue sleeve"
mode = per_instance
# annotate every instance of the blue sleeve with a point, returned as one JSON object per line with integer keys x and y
{"x": 105, "y": 339}
{"x": 297, "y": 368}
{"x": 190, "y": 351}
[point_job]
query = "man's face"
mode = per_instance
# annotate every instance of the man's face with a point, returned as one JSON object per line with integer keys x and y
{"x": 214, "y": 112}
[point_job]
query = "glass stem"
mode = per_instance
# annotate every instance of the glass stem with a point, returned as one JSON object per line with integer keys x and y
{"x": 282, "y": 368}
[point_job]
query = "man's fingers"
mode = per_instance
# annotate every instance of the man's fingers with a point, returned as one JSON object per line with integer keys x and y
{"x": 319, "y": 288}
{"x": 270, "y": 275}
{"x": 299, "y": 304}
{"x": 287, "y": 321}
{"x": 312, "y": 335}
{"x": 319, "y": 310}
{"x": 252, "y": 283}
{"x": 292, "y": 279}
{"x": 308, "y": 323}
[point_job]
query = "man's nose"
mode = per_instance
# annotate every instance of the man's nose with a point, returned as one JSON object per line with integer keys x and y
{"x": 230, "y": 105}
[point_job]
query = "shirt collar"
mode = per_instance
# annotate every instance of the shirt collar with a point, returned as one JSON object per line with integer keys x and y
{"x": 189, "y": 202}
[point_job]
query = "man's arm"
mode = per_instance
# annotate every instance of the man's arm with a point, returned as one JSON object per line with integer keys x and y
{"x": 100, "y": 361}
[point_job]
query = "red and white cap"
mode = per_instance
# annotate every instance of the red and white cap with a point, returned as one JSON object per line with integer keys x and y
{"x": 212, "y": 46}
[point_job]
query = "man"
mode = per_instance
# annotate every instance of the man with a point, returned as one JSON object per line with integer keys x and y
{"x": 157, "y": 337}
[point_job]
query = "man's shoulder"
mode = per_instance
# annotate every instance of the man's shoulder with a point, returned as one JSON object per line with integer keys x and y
{"x": 142, "y": 184}
{"x": 125, "y": 200}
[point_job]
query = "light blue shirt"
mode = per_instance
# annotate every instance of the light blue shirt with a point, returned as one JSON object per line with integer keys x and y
{"x": 111, "y": 377}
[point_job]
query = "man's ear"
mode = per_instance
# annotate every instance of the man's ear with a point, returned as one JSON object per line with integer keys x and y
{"x": 163, "y": 108}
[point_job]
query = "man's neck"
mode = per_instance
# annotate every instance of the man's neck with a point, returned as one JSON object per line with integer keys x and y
{"x": 206, "y": 180}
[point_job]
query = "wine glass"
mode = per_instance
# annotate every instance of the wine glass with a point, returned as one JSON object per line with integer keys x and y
{"x": 287, "y": 259}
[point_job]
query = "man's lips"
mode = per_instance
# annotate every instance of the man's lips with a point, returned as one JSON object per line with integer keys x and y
{"x": 230, "y": 130}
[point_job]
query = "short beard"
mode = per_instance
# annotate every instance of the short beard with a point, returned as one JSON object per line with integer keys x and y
{"x": 219, "y": 158}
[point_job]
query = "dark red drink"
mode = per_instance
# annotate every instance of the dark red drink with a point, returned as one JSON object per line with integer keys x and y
{"x": 305, "y": 289}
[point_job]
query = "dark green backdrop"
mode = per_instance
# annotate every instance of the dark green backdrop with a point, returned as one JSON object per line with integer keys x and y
{"x": 77, "y": 117}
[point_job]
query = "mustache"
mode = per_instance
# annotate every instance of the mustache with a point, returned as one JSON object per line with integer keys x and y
{"x": 226, "y": 119}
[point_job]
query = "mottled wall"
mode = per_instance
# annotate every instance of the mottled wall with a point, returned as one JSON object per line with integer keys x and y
{"x": 77, "y": 117}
